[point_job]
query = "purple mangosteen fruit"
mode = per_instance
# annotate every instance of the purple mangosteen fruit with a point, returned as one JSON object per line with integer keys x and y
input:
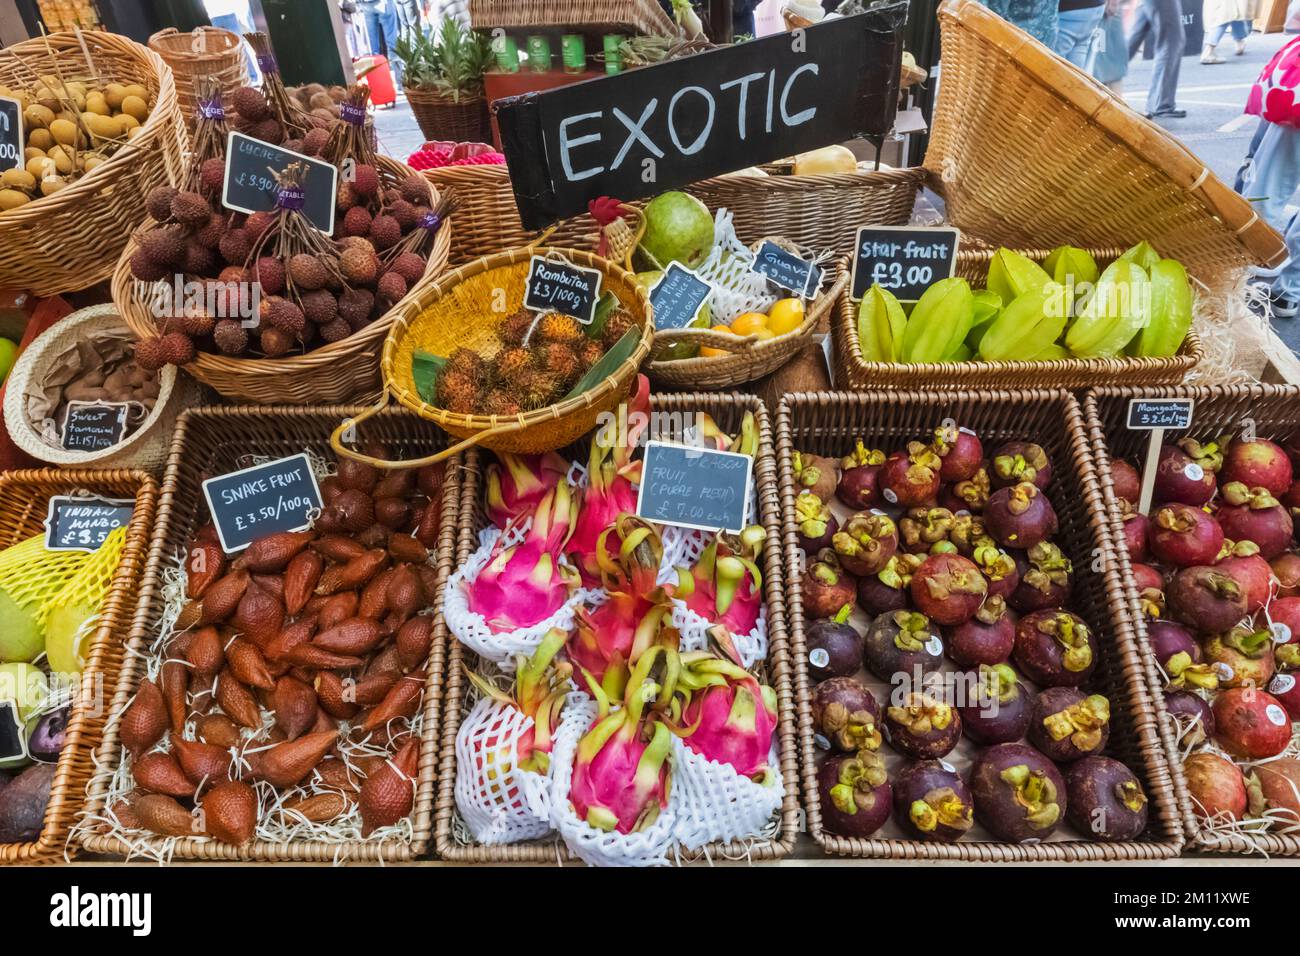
{"x": 834, "y": 647}
{"x": 827, "y": 587}
{"x": 888, "y": 590}
{"x": 1183, "y": 536}
{"x": 1126, "y": 481}
{"x": 1257, "y": 464}
{"x": 1020, "y": 516}
{"x": 969, "y": 533}
{"x": 1017, "y": 461}
{"x": 987, "y": 638}
{"x": 921, "y": 529}
{"x": 846, "y": 714}
{"x": 901, "y": 643}
{"x": 865, "y": 542}
{"x": 815, "y": 522}
{"x": 1185, "y": 472}
{"x": 1105, "y": 801}
{"x": 855, "y": 794}
{"x": 999, "y": 568}
{"x": 1242, "y": 562}
{"x": 932, "y": 802}
{"x": 970, "y": 494}
{"x": 48, "y": 736}
{"x": 1044, "y": 579}
{"x": 1192, "y": 716}
{"x": 1254, "y": 514}
{"x": 815, "y": 473}
{"x": 998, "y": 705}
{"x": 1205, "y": 599}
{"x": 1179, "y": 656}
{"x": 911, "y": 478}
{"x": 859, "y": 478}
{"x": 1150, "y": 585}
{"x": 1242, "y": 656}
{"x": 922, "y": 726}
{"x": 1055, "y": 648}
{"x": 1068, "y": 724}
{"x": 948, "y": 588}
{"x": 960, "y": 452}
{"x": 1137, "y": 532}
{"x": 1019, "y": 794}
{"x": 1286, "y": 569}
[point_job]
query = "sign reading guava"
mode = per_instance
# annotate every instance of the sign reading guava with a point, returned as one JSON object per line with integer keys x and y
{"x": 660, "y": 127}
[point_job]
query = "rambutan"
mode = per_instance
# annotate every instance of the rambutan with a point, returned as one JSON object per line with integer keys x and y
{"x": 468, "y": 361}
{"x": 557, "y": 327}
{"x": 457, "y": 392}
{"x": 539, "y": 388}
{"x": 513, "y": 329}
{"x": 320, "y": 306}
{"x": 307, "y": 272}
{"x": 513, "y": 362}
{"x": 235, "y": 247}
{"x": 559, "y": 359}
{"x": 616, "y": 326}
{"x": 159, "y": 202}
{"x": 231, "y": 337}
{"x": 385, "y": 232}
{"x": 150, "y": 354}
{"x": 190, "y": 209}
{"x": 356, "y": 221}
{"x": 498, "y": 401}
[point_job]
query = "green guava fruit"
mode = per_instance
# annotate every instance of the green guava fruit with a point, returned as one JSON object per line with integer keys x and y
{"x": 678, "y": 228}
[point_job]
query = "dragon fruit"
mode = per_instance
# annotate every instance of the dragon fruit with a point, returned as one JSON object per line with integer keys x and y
{"x": 516, "y": 484}
{"x": 524, "y": 584}
{"x": 725, "y": 586}
{"x": 621, "y": 777}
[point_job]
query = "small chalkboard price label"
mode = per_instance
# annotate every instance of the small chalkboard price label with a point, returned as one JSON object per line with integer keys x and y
{"x": 787, "y": 270}
{"x": 81, "y": 524}
{"x": 13, "y": 742}
{"x": 677, "y": 297}
{"x": 1145, "y": 414}
{"x": 905, "y": 260}
{"x": 11, "y": 133}
{"x": 279, "y": 495}
{"x": 249, "y": 185}
{"x": 562, "y": 287}
{"x": 694, "y": 487}
{"x": 93, "y": 426}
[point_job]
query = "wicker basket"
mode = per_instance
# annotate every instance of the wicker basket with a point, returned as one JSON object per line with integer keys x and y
{"x": 342, "y": 371}
{"x": 1275, "y": 411}
{"x": 145, "y": 448}
{"x": 444, "y": 118}
{"x": 643, "y": 16}
{"x": 212, "y": 441}
{"x": 828, "y": 423}
{"x": 727, "y": 410}
{"x": 24, "y": 497}
{"x": 452, "y": 312}
{"x": 204, "y": 52}
{"x": 72, "y": 239}
{"x": 852, "y": 371}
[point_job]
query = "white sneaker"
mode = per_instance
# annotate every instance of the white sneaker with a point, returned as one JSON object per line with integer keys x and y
{"x": 1241, "y": 47}
{"x": 1209, "y": 58}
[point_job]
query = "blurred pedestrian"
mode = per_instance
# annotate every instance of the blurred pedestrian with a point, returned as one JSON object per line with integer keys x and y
{"x": 1220, "y": 16}
{"x": 1077, "y": 23}
{"x": 1038, "y": 18}
{"x": 380, "y": 18}
{"x": 1163, "y": 21}
{"x": 409, "y": 18}
{"x": 1110, "y": 53}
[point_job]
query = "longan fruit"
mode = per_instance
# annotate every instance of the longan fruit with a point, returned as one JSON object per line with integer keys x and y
{"x": 38, "y": 116}
{"x": 126, "y": 122}
{"x": 103, "y": 127}
{"x": 65, "y": 132}
{"x": 12, "y": 199}
{"x": 95, "y": 103}
{"x": 92, "y": 160}
{"x": 135, "y": 89}
{"x": 114, "y": 94}
{"x": 62, "y": 159}
{"x": 136, "y": 106}
{"x": 41, "y": 166}
{"x": 40, "y": 138}
{"x": 17, "y": 179}
{"x": 52, "y": 184}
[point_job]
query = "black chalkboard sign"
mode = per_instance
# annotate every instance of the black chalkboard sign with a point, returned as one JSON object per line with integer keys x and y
{"x": 1145, "y": 414}
{"x": 13, "y": 742}
{"x": 677, "y": 297}
{"x": 905, "y": 260}
{"x": 786, "y": 269}
{"x": 250, "y": 187}
{"x": 562, "y": 287}
{"x": 82, "y": 523}
{"x": 276, "y": 496}
{"x": 11, "y": 133}
{"x": 93, "y": 426}
{"x": 694, "y": 487}
{"x": 639, "y": 133}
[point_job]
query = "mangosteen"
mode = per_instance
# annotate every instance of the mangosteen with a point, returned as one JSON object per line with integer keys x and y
{"x": 901, "y": 643}
{"x": 1019, "y": 794}
{"x": 999, "y": 705}
{"x": 971, "y": 495}
{"x": 816, "y": 525}
{"x": 815, "y": 473}
{"x": 1126, "y": 481}
{"x": 1279, "y": 785}
{"x": 968, "y": 533}
{"x": 1242, "y": 656}
{"x": 1068, "y": 724}
{"x": 1257, "y": 464}
{"x": 1283, "y": 618}
{"x": 1286, "y": 689}
{"x": 1017, "y": 461}
{"x": 922, "y": 727}
{"x": 959, "y": 450}
{"x": 1250, "y": 724}
{"x": 855, "y": 794}
{"x": 1216, "y": 786}
{"x": 888, "y": 590}
{"x": 1020, "y": 516}
{"x": 1286, "y": 568}
{"x": 1242, "y": 562}
{"x": 834, "y": 647}
{"x": 827, "y": 588}
{"x": 933, "y": 802}
{"x": 1205, "y": 599}
{"x": 866, "y": 542}
{"x": 987, "y": 638}
{"x": 1179, "y": 656}
{"x": 1192, "y": 717}
{"x": 999, "y": 569}
{"x": 1183, "y": 536}
{"x": 922, "y": 528}
{"x": 948, "y": 588}
{"x": 1055, "y": 648}
{"x": 911, "y": 478}
{"x": 48, "y": 736}
{"x": 1150, "y": 585}
{"x": 846, "y": 714}
{"x": 1137, "y": 532}
{"x": 858, "y": 487}
{"x": 1044, "y": 579}
{"x": 1105, "y": 800}
{"x": 1185, "y": 472}
{"x": 1253, "y": 514}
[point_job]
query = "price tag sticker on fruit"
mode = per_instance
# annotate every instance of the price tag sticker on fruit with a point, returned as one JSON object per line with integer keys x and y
{"x": 249, "y": 184}
{"x": 93, "y": 426}
{"x": 676, "y": 298}
{"x": 693, "y": 487}
{"x": 556, "y": 286}
{"x": 786, "y": 269}
{"x": 11, "y": 133}
{"x": 279, "y": 495}
{"x": 906, "y": 260}
{"x": 81, "y": 523}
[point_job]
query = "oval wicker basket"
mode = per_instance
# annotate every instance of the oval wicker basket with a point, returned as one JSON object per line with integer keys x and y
{"x": 72, "y": 239}
{"x": 203, "y": 52}
{"x": 443, "y": 118}
{"x": 338, "y": 372}
{"x": 145, "y": 448}
{"x": 453, "y": 312}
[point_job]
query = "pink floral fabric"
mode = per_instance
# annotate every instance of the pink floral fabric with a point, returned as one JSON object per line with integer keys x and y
{"x": 1276, "y": 94}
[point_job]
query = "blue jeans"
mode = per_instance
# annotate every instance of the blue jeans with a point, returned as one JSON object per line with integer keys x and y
{"x": 1074, "y": 32}
{"x": 1240, "y": 30}
{"x": 238, "y": 26}
{"x": 381, "y": 28}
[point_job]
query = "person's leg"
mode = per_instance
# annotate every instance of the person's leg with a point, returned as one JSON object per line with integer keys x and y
{"x": 1141, "y": 28}
{"x": 1075, "y": 30}
{"x": 374, "y": 31}
{"x": 1167, "y": 20}
{"x": 1212, "y": 38}
{"x": 1240, "y": 32}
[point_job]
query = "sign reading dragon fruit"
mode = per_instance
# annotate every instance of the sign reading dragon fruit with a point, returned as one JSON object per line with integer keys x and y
{"x": 694, "y": 487}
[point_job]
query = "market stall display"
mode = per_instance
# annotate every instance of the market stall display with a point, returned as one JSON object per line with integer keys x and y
{"x": 444, "y": 82}
{"x": 645, "y": 16}
{"x": 202, "y": 54}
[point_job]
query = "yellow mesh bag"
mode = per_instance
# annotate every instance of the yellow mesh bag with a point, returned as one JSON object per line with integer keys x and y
{"x": 30, "y": 576}
{"x": 70, "y": 617}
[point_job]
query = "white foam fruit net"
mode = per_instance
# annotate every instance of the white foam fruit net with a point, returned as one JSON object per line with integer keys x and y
{"x": 736, "y": 289}
{"x": 717, "y": 803}
{"x": 500, "y": 801}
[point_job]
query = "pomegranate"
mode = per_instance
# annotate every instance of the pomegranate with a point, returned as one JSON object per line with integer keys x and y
{"x": 1182, "y": 535}
{"x": 1216, "y": 786}
{"x": 1260, "y": 463}
{"x": 1250, "y": 723}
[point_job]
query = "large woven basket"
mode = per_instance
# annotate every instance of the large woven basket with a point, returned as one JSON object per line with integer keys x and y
{"x": 213, "y": 441}
{"x": 444, "y": 118}
{"x": 852, "y": 371}
{"x": 643, "y": 16}
{"x": 342, "y": 371}
{"x": 202, "y": 53}
{"x": 827, "y": 423}
{"x": 145, "y": 448}
{"x": 24, "y": 498}
{"x": 454, "y": 312}
{"x": 451, "y": 836}
{"x": 1275, "y": 413}
{"x": 72, "y": 239}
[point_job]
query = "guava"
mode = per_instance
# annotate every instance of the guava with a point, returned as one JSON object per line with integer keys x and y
{"x": 678, "y": 228}
{"x": 20, "y": 638}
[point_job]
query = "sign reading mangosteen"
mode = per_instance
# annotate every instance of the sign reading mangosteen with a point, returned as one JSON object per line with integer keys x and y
{"x": 694, "y": 487}
{"x": 554, "y": 286}
{"x": 905, "y": 260}
{"x": 274, "y": 496}
{"x": 639, "y": 133}
{"x": 786, "y": 269}
{"x": 677, "y": 297}
{"x": 93, "y": 426}
{"x": 1147, "y": 413}
{"x": 250, "y": 186}
{"x": 82, "y": 523}
{"x": 11, "y": 133}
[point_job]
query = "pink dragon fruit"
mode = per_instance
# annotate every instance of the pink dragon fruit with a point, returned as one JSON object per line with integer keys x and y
{"x": 524, "y": 584}
{"x": 539, "y": 693}
{"x": 621, "y": 777}
{"x": 517, "y": 483}
{"x": 725, "y": 586}
{"x": 612, "y": 479}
